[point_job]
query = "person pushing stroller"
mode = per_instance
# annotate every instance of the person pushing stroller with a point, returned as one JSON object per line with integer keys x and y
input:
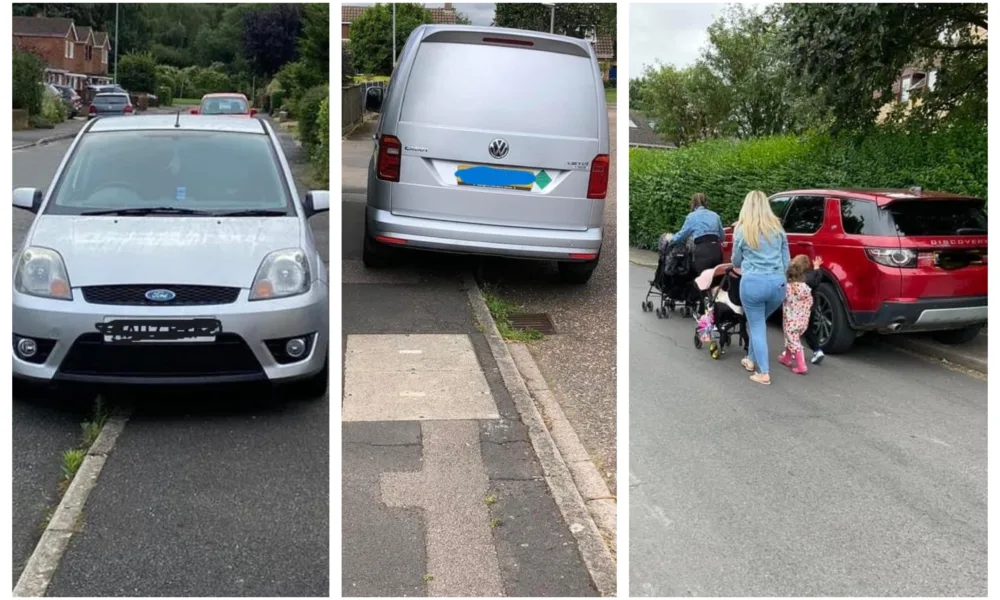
{"x": 704, "y": 227}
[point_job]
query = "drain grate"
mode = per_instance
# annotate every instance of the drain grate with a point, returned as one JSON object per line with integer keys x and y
{"x": 539, "y": 322}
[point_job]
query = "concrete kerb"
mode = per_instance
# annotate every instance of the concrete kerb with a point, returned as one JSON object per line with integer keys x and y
{"x": 922, "y": 347}
{"x": 578, "y": 515}
{"x": 48, "y": 140}
{"x": 66, "y": 519}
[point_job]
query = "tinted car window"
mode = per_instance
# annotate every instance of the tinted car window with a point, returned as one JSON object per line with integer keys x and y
{"x": 472, "y": 86}
{"x": 779, "y": 205}
{"x": 111, "y": 99}
{"x": 210, "y": 171}
{"x": 224, "y": 106}
{"x": 863, "y": 217}
{"x": 805, "y": 215}
{"x": 938, "y": 217}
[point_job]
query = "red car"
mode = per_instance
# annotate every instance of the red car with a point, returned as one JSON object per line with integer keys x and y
{"x": 893, "y": 261}
{"x": 224, "y": 104}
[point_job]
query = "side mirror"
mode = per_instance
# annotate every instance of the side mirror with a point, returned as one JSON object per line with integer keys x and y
{"x": 253, "y": 112}
{"x": 29, "y": 199}
{"x": 317, "y": 201}
{"x": 194, "y": 111}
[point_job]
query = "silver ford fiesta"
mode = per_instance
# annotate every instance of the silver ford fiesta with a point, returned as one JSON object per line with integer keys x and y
{"x": 172, "y": 249}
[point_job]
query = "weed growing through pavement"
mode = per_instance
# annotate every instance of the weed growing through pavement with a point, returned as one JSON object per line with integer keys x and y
{"x": 71, "y": 461}
{"x": 496, "y": 523}
{"x": 428, "y": 577}
{"x": 92, "y": 428}
{"x": 502, "y": 311}
{"x": 73, "y": 458}
{"x": 491, "y": 500}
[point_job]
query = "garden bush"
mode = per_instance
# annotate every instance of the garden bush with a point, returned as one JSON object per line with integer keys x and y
{"x": 307, "y": 114}
{"x": 166, "y": 95}
{"x": 207, "y": 81}
{"x": 26, "y": 73}
{"x": 137, "y": 72}
{"x": 53, "y": 109}
{"x": 320, "y": 157}
{"x": 661, "y": 182}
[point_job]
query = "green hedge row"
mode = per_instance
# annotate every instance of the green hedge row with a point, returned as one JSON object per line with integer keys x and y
{"x": 661, "y": 182}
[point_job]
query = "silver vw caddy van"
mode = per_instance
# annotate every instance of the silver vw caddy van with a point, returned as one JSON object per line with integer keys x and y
{"x": 491, "y": 141}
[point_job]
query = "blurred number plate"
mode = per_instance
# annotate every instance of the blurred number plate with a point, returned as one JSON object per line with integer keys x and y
{"x": 117, "y": 330}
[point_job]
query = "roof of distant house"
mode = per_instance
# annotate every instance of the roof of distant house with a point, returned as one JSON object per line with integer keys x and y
{"x": 42, "y": 26}
{"x": 440, "y": 16}
{"x": 643, "y": 134}
{"x": 100, "y": 37}
{"x": 82, "y": 33}
{"x": 605, "y": 46}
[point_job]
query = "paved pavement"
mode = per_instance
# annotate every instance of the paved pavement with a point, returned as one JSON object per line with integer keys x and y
{"x": 866, "y": 477}
{"x": 442, "y": 492}
{"x": 203, "y": 495}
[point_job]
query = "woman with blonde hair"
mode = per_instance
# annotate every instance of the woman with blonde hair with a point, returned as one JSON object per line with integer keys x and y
{"x": 760, "y": 251}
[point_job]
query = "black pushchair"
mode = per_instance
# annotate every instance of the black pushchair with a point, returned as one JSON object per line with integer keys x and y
{"x": 723, "y": 317}
{"x": 673, "y": 282}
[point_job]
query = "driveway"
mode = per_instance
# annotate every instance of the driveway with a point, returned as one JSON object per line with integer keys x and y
{"x": 203, "y": 495}
{"x": 865, "y": 477}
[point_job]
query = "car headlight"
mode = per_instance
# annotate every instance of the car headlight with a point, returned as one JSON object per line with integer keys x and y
{"x": 283, "y": 273}
{"x": 42, "y": 272}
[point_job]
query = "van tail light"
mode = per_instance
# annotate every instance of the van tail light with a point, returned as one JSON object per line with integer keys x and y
{"x": 893, "y": 257}
{"x": 128, "y": 109}
{"x": 92, "y": 110}
{"x": 600, "y": 168}
{"x": 508, "y": 42}
{"x": 389, "y": 154}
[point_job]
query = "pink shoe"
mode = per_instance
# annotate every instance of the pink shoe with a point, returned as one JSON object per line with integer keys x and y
{"x": 800, "y": 363}
{"x": 786, "y": 358}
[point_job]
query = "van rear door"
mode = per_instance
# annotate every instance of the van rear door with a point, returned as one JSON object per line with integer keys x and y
{"x": 501, "y": 129}
{"x": 948, "y": 240}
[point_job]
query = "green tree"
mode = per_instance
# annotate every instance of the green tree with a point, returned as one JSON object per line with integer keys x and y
{"x": 853, "y": 53}
{"x": 137, "y": 72}
{"x": 687, "y": 105}
{"x": 462, "y": 19}
{"x": 314, "y": 44}
{"x": 26, "y": 73}
{"x": 574, "y": 20}
{"x": 371, "y": 35}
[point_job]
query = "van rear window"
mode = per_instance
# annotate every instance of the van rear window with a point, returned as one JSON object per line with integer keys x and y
{"x": 939, "y": 217}
{"x": 509, "y": 89}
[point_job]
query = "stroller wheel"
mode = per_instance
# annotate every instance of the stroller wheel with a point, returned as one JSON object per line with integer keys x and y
{"x": 658, "y": 314}
{"x": 714, "y": 350}
{"x": 697, "y": 341}
{"x": 672, "y": 305}
{"x": 643, "y": 305}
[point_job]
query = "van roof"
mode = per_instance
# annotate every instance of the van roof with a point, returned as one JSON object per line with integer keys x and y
{"x": 425, "y": 31}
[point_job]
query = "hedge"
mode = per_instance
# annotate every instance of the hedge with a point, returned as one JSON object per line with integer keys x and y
{"x": 661, "y": 182}
{"x": 307, "y": 114}
{"x": 321, "y": 156}
{"x": 27, "y": 72}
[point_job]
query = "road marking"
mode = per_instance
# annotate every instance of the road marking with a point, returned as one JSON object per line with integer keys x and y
{"x": 414, "y": 378}
{"x": 450, "y": 489}
{"x": 44, "y": 561}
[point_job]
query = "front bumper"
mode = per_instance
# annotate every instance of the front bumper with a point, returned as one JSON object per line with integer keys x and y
{"x": 471, "y": 238}
{"x": 74, "y": 351}
{"x": 926, "y": 314}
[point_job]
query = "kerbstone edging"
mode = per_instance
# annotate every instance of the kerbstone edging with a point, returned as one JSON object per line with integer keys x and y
{"x": 595, "y": 553}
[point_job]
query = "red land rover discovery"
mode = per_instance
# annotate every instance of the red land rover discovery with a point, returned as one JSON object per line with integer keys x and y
{"x": 893, "y": 261}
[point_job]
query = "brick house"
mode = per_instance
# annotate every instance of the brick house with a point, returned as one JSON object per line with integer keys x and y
{"x": 604, "y": 47}
{"x": 73, "y": 56}
{"x": 642, "y": 133}
{"x": 348, "y": 14}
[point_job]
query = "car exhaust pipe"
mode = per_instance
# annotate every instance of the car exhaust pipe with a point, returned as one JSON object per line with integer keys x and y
{"x": 896, "y": 326}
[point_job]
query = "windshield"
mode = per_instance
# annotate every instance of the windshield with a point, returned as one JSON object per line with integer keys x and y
{"x": 211, "y": 172}
{"x": 939, "y": 217}
{"x": 224, "y": 106}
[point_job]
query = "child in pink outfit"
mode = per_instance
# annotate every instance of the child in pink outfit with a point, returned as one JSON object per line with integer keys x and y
{"x": 795, "y": 313}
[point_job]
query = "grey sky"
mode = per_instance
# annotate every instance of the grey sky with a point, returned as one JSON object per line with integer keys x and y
{"x": 478, "y": 13}
{"x": 669, "y": 33}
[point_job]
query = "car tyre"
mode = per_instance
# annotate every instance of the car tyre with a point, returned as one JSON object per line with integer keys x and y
{"x": 954, "y": 337}
{"x": 577, "y": 273}
{"x": 832, "y": 329}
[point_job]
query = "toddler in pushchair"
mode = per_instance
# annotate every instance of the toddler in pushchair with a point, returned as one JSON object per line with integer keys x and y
{"x": 673, "y": 281}
{"x": 723, "y": 316}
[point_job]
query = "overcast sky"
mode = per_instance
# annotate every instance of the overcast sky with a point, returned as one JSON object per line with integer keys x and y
{"x": 479, "y": 14}
{"x": 668, "y": 33}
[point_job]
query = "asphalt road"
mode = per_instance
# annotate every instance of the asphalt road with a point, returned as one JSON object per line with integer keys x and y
{"x": 866, "y": 477}
{"x": 204, "y": 495}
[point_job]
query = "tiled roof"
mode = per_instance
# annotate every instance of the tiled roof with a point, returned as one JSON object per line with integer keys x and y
{"x": 441, "y": 16}
{"x": 42, "y": 26}
{"x": 82, "y": 33}
{"x": 100, "y": 37}
{"x": 605, "y": 47}
{"x": 642, "y": 134}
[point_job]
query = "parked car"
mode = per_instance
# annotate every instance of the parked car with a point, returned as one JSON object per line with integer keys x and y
{"x": 71, "y": 99}
{"x": 470, "y": 164}
{"x": 171, "y": 250}
{"x": 224, "y": 104}
{"x": 893, "y": 261}
{"x": 110, "y": 104}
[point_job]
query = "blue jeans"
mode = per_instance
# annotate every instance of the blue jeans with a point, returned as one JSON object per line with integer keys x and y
{"x": 761, "y": 296}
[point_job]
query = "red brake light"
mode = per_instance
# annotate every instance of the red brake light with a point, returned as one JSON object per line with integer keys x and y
{"x": 600, "y": 169}
{"x": 128, "y": 108}
{"x": 509, "y": 42}
{"x": 390, "y": 152}
{"x": 92, "y": 110}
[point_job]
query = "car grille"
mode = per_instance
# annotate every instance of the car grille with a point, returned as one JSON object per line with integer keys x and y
{"x": 229, "y": 355}
{"x": 135, "y": 295}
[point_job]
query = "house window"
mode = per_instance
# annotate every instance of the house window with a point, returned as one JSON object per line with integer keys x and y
{"x": 632, "y": 124}
{"x": 104, "y": 56}
{"x": 69, "y": 49}
{"x": 652, "y": 125}
{"x": 904, "y": 90}
{"x": 931, "y": 80}
{"x": 88, "y": 52}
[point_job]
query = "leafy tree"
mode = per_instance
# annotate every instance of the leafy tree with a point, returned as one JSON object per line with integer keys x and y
{"x": 687, "y": 105}
{"x": 462, "y": 19}
{"x": 270, "y": 36}
{"x": 26, "y": 73}
{"x": 574, "y": 20}
{"x": 371, "y": 35}
{"x": 851, "y": 54}
{"x": 137, "y": 72}
{"x": 346, "y": 65}
{"x": 314, "y": 45}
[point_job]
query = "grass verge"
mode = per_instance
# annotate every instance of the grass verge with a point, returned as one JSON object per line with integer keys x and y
{"x": 73, "y": 458}
{"x": 502, "y": 310}
{"x": 611, "y": 96}
{"x": 186, "y": 102}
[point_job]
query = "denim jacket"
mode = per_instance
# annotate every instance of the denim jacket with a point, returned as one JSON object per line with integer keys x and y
{"x": 771, "y": 258}
{"x": 699, "y": 222}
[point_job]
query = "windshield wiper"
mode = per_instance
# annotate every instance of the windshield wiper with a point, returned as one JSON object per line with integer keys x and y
{"x": 254, "y": 212}
{"x": 156, "y": 210}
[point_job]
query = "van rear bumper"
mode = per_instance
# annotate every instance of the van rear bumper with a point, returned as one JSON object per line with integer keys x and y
{"x": 473, "y": 238}
{"x": 925, "y": 314}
